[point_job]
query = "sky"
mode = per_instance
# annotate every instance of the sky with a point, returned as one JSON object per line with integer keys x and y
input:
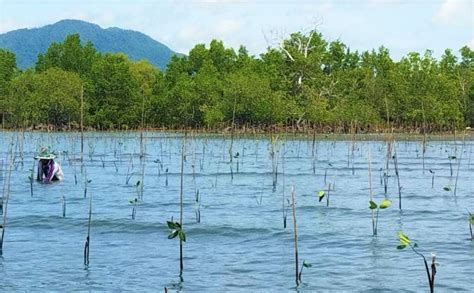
{"x": 402, "y": 26}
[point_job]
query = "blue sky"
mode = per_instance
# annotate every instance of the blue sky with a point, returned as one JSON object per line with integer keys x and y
{"x": 400, "y": 25}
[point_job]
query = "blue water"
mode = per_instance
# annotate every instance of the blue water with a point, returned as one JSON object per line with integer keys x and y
{"x": 240, "y": 243}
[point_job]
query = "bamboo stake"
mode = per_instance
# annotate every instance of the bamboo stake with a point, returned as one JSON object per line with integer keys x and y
{"x": 295, "y": 230}
{"x": 371, "y": 198}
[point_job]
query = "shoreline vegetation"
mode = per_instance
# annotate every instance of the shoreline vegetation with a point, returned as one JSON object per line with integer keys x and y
{"x": 301, "y": 84}
{"x": 304, "y": 134}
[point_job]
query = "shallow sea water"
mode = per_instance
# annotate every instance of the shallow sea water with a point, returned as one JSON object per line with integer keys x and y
{"x": 240, "y": 243}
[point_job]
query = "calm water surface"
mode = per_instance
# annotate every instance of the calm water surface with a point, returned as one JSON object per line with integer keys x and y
{"x": 240, "y": 243}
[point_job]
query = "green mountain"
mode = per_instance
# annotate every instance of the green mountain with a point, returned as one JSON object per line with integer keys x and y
{"x": 28, "y": 43}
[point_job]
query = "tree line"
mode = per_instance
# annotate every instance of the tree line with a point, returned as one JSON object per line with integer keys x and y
{"x": 305, "y": 81}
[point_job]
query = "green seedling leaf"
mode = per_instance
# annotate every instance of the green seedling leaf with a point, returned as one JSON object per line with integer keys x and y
{"x": 182, "y": 236}
{"x": 452, "y": 157}
{"x": 401, "y": 246}
{"x": 173, "y": 234}
{"x": 446, "y": 188}
{"x": 138, "y": 183}
{"x": 385, "y": 203}
{"x": 471, "y": 219}
{"x": 415, "y": 245}
{"x": 321, "y": 195}
{"x": 307, "y": 264}
{"x": 404, "y": 240}
{"x": 89, "y": 181}
{"x": 173, "y": 225}
{"x": 372, "y": 205}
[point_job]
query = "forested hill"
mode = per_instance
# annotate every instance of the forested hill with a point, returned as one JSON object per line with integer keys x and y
{"x": 28, "y": 43}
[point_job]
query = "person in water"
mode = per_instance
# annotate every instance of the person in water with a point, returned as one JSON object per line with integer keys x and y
{"x": 48, "y": 169}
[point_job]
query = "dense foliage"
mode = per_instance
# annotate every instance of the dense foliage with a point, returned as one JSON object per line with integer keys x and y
{"x": 28, "y": 43}
{"x": 305, "y": 81}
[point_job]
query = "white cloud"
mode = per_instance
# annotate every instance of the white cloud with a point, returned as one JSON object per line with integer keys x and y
{"x": 227, "y": 27}
{"x": 377, "y": 2}
{"x": 189, "y": 32}
{"x": 456, "y": 12}
{"x": 220, "y": 1}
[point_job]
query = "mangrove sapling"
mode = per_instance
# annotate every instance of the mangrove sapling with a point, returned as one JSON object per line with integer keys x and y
{"x": 304, "y": 265}
{"x": 176, "y": 230}
{"x": 236, "y": 157}
{"x": 385, "y": 203}
{"x": 63, "y": 205}
{"x": 395, "y": 161}
{"x": 284, "y": 208}
{"x": 232, "y": 139}
{"x": 381, "y": 177}
{"x": 326, "y": 171}
{"x": 351, "y": 148}
{"x": 274, "y": 150}
{"x": 20, "y": 145}
{"x": 404, "y": 242}
{"x": 134, "y": 203}
{"x": 30, "y": 179}
{"x": 325, "y": 193}
{"x": 459, "y": 163}
{"x": 450, "y": 158}
{"x": 295, "y": 234}
{"x": 321, "y": 195}
{"x": 138, "y": 189}
{"x": 385, "y": 183}
{"x": 142, "y": 182}
{"x": 197, "y": 207}
{"x": 370, "y": 194}
{"x": 86, "y": 182}
{"x": 298, "y": 272}
{"x": 177, "y": 227}
{"x": 129, "y": 170}
{"x": 88, "y": 238}
{"x": 432, "y": 178}
{"x": 82, "y": 123}
{"x": 160, "y": 166}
